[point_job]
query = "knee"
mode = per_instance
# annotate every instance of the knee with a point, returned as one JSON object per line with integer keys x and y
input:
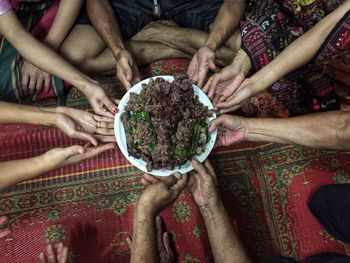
{"x": 74, "y": 55}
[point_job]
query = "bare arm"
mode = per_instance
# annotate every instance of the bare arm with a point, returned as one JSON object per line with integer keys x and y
{"x": 104, "y": 21}
{"x": 68, "y": 12}
{"x": 225, "y": 242}
{"x": 225, "y": 23}
{"x": 328, "y": 130}
{"x": 300, "y": 52}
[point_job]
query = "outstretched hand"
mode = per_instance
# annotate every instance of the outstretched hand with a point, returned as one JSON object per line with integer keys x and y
{"x": 203, "y": 184}
{"x": 201, "y": 63}
{"x": 231, "y": 130}
{"x": 159, "y": 193}
{"x": 85, "y": 126}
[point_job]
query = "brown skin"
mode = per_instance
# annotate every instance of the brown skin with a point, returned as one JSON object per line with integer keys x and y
{"x": 297, "y": 54}
{"x": 224, "y": 26}
{"x": 43, "y": 57}
{"x": 153, "y": 200}
{"x": 327, "y": 130}
{"x": 75, "y": 123}
{"x": 224, "y": 241}
{"x": 54, "y": 254}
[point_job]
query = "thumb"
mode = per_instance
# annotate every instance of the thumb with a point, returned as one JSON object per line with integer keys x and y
{"x": 85, "y": 137}
{"x": 217, "y": 123}
{"x": 212, "y": 65}
{"x": 71, "y": 151}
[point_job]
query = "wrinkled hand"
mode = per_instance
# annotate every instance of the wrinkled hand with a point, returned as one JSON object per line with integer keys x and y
{"x": 231, "y": 129}
{"x": 222, "y": 85}
{"x": 201, "y": 63}
{"x": 127, "y": 71}
{"x": 159, "y": 193}
{"x": 99, "y": 100}
{"x": 59, "y": 254}
{"x": 166, "y": 254}
{"x": 3, "y": 222}
{"x": 34, "y": 79}
{"x": 82, "y": 125}
{"x": 203, "y": 184}
{"x": 240, "y": 97}
{"x": 60, "y": 157}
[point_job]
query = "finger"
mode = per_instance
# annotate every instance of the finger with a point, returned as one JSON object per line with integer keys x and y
{"x": 47, "y": 82}
{"x": 3, "y": 220}
{"x": 64, "y": 255}
{"x": 220, "y": 121}
{"x": 229, "y": 110}
{"x": 192, "y": 68}
{"x": 100, "y": 110}
{"x": 144, "y": 182}
{"x": 39, "y": 84}
{"x": 213, "y": 85}
{"x": 209, "y": 167}
{"x": 110, "y": 106}
{"x": 212, "y": 65}
{"x": 25, "y": 81}
{"x": 42, "y": 258}
{"x": 180, "y": 185}
{"x": 105, "y": 139}
{"x": 4, "y": 233}
{"x": 31, "y": 86}
{"x": 170, "y": 180}
{"x": 166, "y": 242}
{"x": 201, "y": 76}
{"x": 92, "y": 152}
{"x": 85, "y": 137}
{"x": 200, "y": 168}
{"x": 51, "y": 257}
{"x": 207, "y": 85}
{"x": 125, "y": 72}
{"x": 72, "y": 150}
{"x": 150, "y": 178}
{"x": 117, "y": 101}
{"x": 102, "y": 119}
{"x": 159, "y": 230}
{"x": 59, "y": 248}
{"x": 136, "y": 75}
{"x": 129, "y": 242}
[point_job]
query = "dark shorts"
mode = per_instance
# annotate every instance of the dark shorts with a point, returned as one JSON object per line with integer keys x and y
{"x": 133, "y": 15}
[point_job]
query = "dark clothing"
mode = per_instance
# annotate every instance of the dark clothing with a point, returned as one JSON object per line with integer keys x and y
{"x": 330, "y": 204}
{"x": 133, "y": 15}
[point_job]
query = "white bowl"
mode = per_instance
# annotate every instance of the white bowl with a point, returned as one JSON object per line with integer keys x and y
{"x": 140, "y": 164}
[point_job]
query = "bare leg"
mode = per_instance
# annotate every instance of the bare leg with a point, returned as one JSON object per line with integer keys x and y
{"x": 85, "y": 49}
{"x": 187, "y": 40}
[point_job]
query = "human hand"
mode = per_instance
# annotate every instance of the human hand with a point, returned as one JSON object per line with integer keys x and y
{"x": 59, "y": 254}
{"x": 222, "y": 85}
{"x": 166, "y": 254}
{"x": 201, "y": 63}
{"x": 241, "y": 96}
{"x": 203, "y": 184}
{"x": 99, "y": 101}
{"x": 60, "y": 157}
{"x": 3, "y": 221}
{"x": 34, "y": 79}
{"x": 127, "y": 71}
{"x": 81, "y": 124}
{"x": 159, "y": 193}
{"x": 232, "y": 129}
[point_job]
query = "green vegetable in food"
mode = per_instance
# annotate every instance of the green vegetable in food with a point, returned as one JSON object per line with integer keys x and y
{"x": 141, "y": 116}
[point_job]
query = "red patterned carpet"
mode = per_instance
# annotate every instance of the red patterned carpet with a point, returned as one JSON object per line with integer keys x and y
{"x": 89, "y": 206}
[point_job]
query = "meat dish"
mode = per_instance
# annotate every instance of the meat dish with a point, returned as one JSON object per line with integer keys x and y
{"x": 166, "y": 125}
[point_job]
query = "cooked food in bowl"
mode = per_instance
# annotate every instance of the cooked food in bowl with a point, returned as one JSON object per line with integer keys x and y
{"x": 166, "y": 124}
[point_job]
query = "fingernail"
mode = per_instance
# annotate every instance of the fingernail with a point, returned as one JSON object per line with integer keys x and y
{"x": 178, "y": 176}
{"x": 115, "y": 110}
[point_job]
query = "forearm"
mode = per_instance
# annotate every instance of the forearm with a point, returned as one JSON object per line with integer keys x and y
{"x": 66, "y": 15}
{"x": 17, "y": 113}
{"x": 224, "y": 241}
{"x": 104, "y": 21}
{"x": 38, "y": 53}
{"x": 13, "y": 172}
{"x": 144, "y": 246}
{"x": 328, "y": 130}
{"x": 300, "y": 52}
{"x": 226, "y": 23}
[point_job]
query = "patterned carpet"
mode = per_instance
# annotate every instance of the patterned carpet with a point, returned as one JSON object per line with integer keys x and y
{"x": 89, "y": 206}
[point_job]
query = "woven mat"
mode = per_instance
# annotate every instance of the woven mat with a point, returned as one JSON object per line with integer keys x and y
{"x": 89, "y": 206}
